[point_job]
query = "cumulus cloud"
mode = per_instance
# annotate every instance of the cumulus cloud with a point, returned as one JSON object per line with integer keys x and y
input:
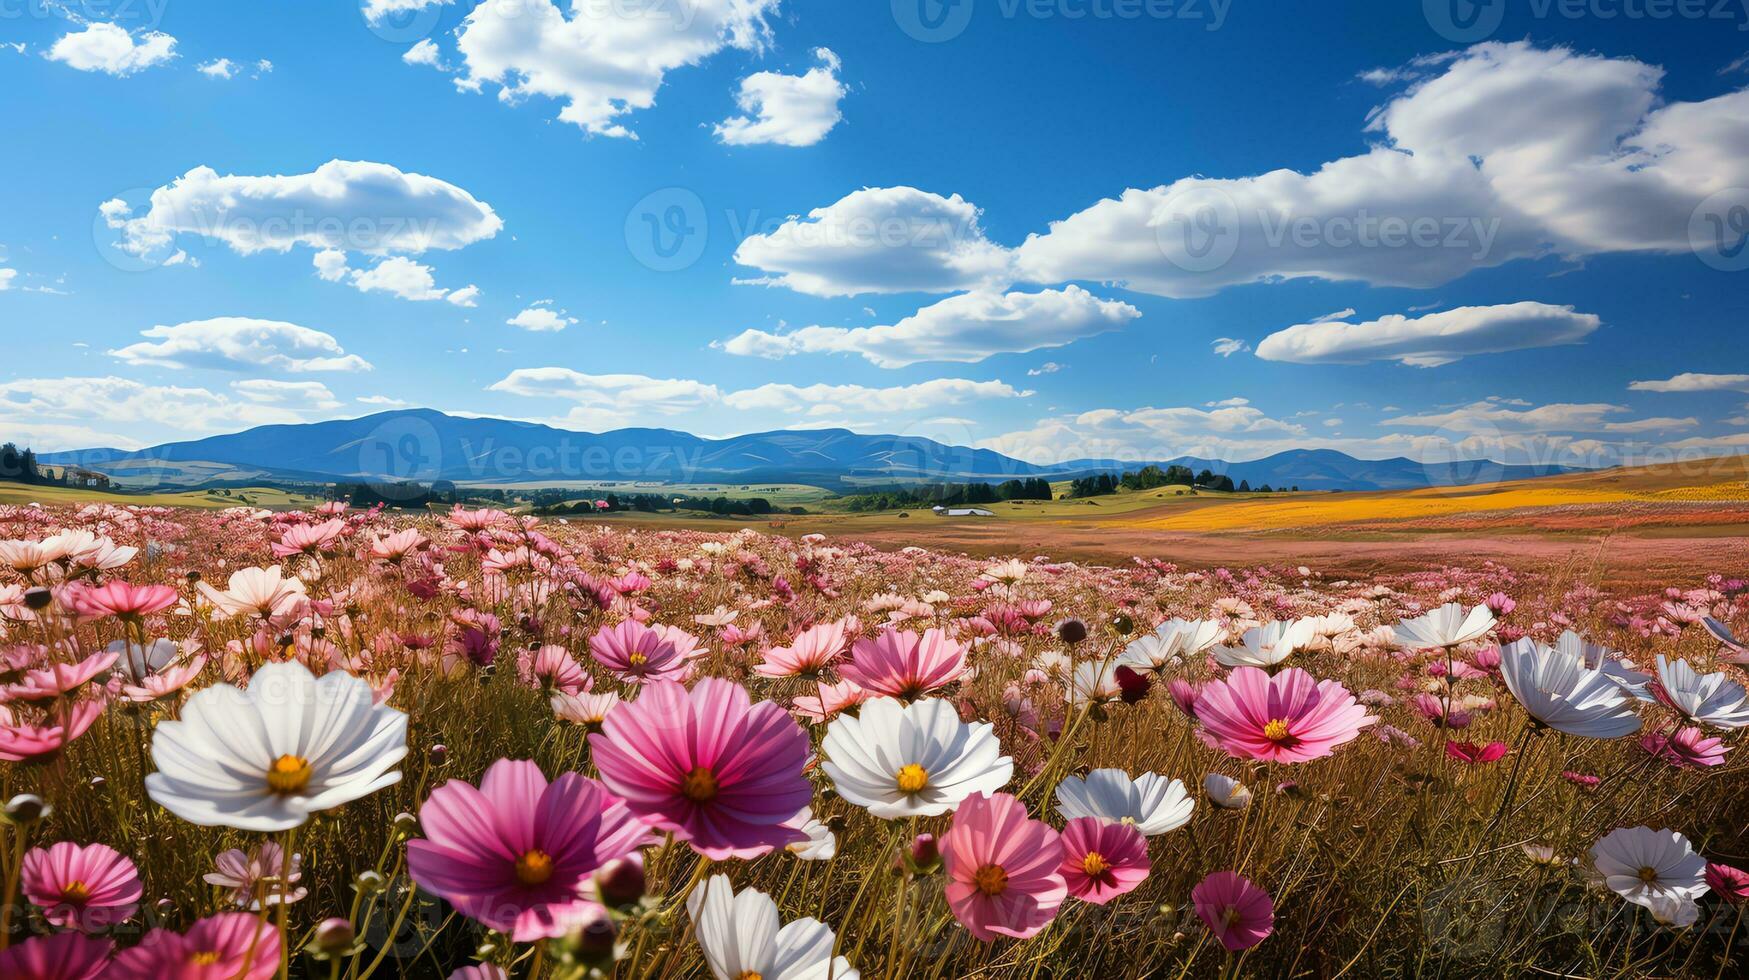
{"x": 237, "y": 343}
{"x": 6, "y": 277}
{"x": 879, "y": 240}
{"x": 1491, "y": 416}
{"x": 1432, "y": 339}
{"x": 114, "y": 401}
{"x": 818, "y": 399}
{"x": 1690, "y": 381}
{"x": 602, "y": 60}
{"x": 382, "y": 11}
{"x": 1508, "y": 151}
{"x": 396, "y": 275}
{"x": 668, "y": 396}
{"x": 342, "y": 206}
{"x": 789, "y": 110}
{"x": 542, "y": 317}
{"x": 1228, "y": 346}
{"x": 110, "y": 49}
{"x": 305, "y": 395}
{"x": 968, "y": 327}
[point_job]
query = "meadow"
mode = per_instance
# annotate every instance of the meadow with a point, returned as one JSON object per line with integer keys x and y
{"x": 326, "y": 743}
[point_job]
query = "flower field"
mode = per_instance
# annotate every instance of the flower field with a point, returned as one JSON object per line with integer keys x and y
{"x": 338, "y": 743}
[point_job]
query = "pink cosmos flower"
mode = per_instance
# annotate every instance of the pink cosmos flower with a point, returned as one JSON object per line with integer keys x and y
{"x": 57, "y": 679}
{"x": 1686, "y": 748}
{"x": 708, "y": 766}
{"x": 827, "y": 700}
{"x": 258, "y": 877}
{"x": 807, "y": 654}
{"x": 309, "y": 539}
{"x": 1239, "y": 913}
{"x": 121, "y": 600}
{"x": 479, "y": 971}
{"x": 1475, "y": 754}
{"x": 551, "y": 668}
{"x": 19, "y": 742}
{"x": 62, "y": 956}
{"x": 87, "y": 888}
{"x": 1290, "y": 717}
{"x": 636, "y": 653}
{"x": 1730, "y": 884}
{"x": 1002, "y": 868}
{"x": 900, "y": 664}
{"x": 1102, "y": 859}
{"x": 213, "y": 948}
{"x": 517, "y": 853}
{"x": 1583, "y": 780}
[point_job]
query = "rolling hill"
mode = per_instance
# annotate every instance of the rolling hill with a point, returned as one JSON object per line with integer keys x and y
{"x": 427, "y": 445}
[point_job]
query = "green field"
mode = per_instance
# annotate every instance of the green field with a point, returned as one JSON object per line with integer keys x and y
{"x": 14, "y": 493}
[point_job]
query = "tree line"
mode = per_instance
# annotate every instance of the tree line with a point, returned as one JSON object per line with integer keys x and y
{"x": 1153, "y": 477}
{"x": 899, "y": 497}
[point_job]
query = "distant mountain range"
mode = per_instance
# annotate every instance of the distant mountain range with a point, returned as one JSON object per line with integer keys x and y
{"x": 427, "y": 446}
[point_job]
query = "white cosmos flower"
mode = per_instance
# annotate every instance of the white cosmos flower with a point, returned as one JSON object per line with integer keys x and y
{"x": 915, "y": 760}
{"x": 1645, "y": 866}
{"x": 267, "y": 757}
{"x": 264, "y": 592}
{"x": 1562, "y": 693}
{"x": 1599, "y": 657}
{"x": 1226, "y": 792}
{"x": 1094, "y": 681}
{"x": 1150, "y": 802}
{"x": 1447, "y": 626}
{"x": 1266, "y": 645}
{"x": 1710, "y": 699}
{"x": 1170, "y": 642}
{"x": 741, "y": 937}
{"x": 821, "y": 844}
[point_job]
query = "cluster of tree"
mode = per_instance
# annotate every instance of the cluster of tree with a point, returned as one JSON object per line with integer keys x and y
{"x": 948, "y": 495}
{"x": 1152, "y": 477}
{"x": 405, "y": 494}
{"x": 21, "y": 466}
{"x": 651, "y": 503}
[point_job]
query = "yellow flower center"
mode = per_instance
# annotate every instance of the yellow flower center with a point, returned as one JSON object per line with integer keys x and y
{"x": 288, "y": 774}
{"x": 76, "y": 891}
{"x": 205, "y": 957}
{"x": 1648, "y": 874}
{"x": 750, "y": 975}
{"x": 637, "y": 660}
{"x": 699, "y": 785}
{"x": 1276, "y": 731}
{"x": 991, "y": 880}
{"x": 1232, "y": 916}
{"x": 534, "y": 867}
{"x": 912, "y": 778}
{"x": 1094, "y": 864}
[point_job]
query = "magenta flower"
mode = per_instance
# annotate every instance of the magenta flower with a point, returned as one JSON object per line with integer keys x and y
{"x": 1002, "y": 868}
{"x": 1686, "y": 748}
{"x": 1475, "y": 754}
{"x": 260, "y": 876}
{"x": 707, "y": 766}
{"x": 900, "y": 664}
{"x": 807, "y": 654}
{"x": 1290, "y": 717}
{"x": 636, "y": 653}
{"x": 517, "y": 853}
{"x": 62, "y": 956}
{"x": 1239, "y": 913}
{"x": 551, "y": 668}
{"x": 213, "y": 948}
{"x": 19, "y": 742}
{"x": 1730, "y": 884}
{"x": 1102, "y": 859}
{"x": 87, "y": 888}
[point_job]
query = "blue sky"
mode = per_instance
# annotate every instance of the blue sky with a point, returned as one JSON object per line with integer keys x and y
{"x": 1077, "y": 228}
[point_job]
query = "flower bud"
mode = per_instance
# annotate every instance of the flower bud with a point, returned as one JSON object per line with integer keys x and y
{"x": 621, "y": 881}
{"x": 1071, "y": 631}
{"x": 406, "y": 823}
{"x": 369, "y": 882}
{"x": 925, "y": 853}
{"x": 334, "y": 937}
{"x": 438, "y": 754}
{"x": 25, "y": 809}
{"x": 38, "y": 598}
{"x": 1123, "y": 624}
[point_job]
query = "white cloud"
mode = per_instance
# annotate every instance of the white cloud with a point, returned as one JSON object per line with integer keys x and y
{"x": 605, "y": 391}
{"x": 879, "y": 240}
{"x": 115, "y": 401}
{"x": 396, "y": 275}
{"x": 1048, "y": 367}
{"x": 236, "y": 343}
{"x": 297, "y": 395}
{"x": 378, "y": 11}
{"x": 218, "y": 68}
{"x": 345, "y": 206}
{"x": 6, "y": 277}
{"x": 1487, "y": 417}
{"x": 466, "y": 296}
{"x": 789, "y": 110}
{"x": 602, "y": 60}
{"x": 1510, "y": 151}
{"x": 858, "y": 399}
{"x": 1690, "y": 381}
{"x": 381, "y": 400}
{"x": 1430, "y": 340}
{"x": 112, "y": 50}
{"x": 543, "y": 318}
{"x": 424, "y": 52}
{"x": 968, "y": 327}
{"x": 1228, "y": 346}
